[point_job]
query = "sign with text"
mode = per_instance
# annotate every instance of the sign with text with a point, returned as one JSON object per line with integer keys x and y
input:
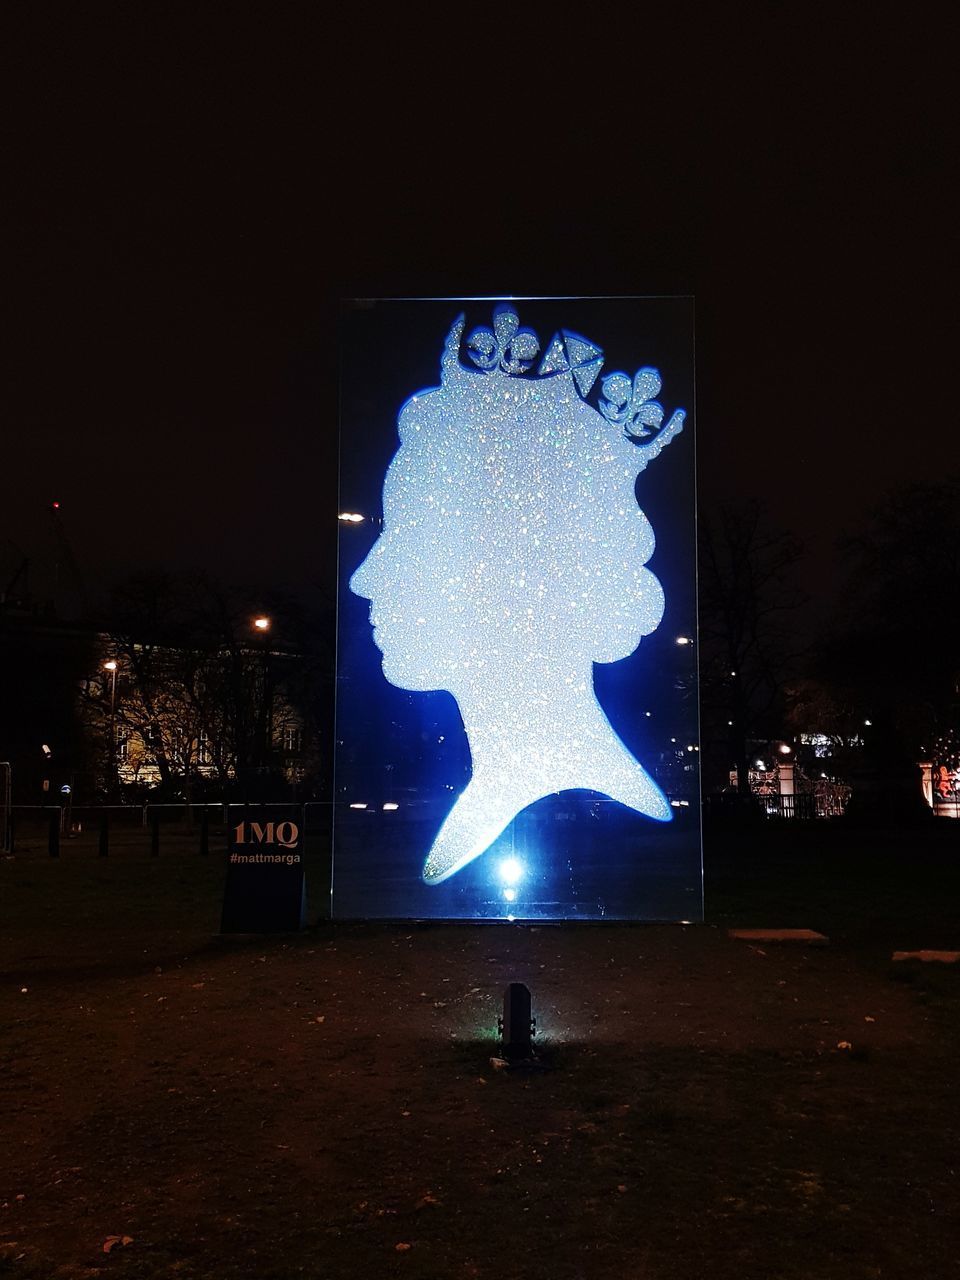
{"x": 517, "y": 723}
{"x": 265, "y": 890}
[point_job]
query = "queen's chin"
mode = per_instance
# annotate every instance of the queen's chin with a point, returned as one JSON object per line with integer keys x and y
{"x": 400, "y": 671}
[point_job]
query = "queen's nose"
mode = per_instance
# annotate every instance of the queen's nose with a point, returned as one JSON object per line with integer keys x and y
{"x": 363, "y": 581}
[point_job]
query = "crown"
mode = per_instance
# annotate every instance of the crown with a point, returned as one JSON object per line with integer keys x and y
{"x": 627, "y": 402}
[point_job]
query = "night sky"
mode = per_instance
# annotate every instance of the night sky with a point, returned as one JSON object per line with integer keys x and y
{"x": 193, "y": 196}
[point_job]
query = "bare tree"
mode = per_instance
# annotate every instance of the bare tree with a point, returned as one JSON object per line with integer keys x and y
{"x": 747, "y": 643}
{"x": 895, "y": 648}
{"x": 199, "y": 689}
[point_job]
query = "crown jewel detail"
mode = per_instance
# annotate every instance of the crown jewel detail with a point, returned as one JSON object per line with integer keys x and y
{"x": 505, "y": 345}
{"x": 627, "y": 402}
{"x": 631, "y": 404}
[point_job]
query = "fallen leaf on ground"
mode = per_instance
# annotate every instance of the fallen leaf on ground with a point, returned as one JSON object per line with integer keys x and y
{"x": 111, "y": 1242}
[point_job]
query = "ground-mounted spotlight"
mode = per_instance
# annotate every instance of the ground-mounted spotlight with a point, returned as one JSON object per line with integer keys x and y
{"x": 516, "y": 1025}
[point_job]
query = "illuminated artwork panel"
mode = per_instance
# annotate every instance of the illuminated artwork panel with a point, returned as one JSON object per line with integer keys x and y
{"x": 517, "y": 714}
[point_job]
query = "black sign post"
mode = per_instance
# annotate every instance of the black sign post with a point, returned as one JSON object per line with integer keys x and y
{"x": 265, "y": 890}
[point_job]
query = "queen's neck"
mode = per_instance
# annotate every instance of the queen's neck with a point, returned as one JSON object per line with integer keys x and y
{"x": 530, "y": 739}
{"x": 544, "y": 738}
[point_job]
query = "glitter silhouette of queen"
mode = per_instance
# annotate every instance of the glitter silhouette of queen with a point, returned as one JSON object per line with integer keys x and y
{"x": 512, "y": 558}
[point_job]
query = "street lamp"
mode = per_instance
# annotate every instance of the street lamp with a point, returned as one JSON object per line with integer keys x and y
{"x": 262, "y": 624}
{"x": 111, "y": 666}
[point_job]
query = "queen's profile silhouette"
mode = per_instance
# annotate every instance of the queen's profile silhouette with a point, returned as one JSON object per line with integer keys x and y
{"x": 512, "y": 558}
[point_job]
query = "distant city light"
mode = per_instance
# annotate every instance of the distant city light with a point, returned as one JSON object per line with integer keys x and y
{"x": 46, "y": 750}
{"x": 761, "y": 765}
{"x": 684, "y": 640}
{"x": 358, "y": 805}
{"x": 868, "y": 722}
{"x": 390, "y": 806}
{"x": 262, "y": 623}
{"x": 784, "y": 749}
{"x": 350, "y": 517}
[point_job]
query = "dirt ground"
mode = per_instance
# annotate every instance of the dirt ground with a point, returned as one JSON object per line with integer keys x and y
{"x": 324, "y": 1104}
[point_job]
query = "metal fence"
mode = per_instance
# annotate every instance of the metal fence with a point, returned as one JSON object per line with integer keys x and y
{"x": 6, "y": 823}
{"x": 804, "y": 805}
{"x": 55, "y": 822}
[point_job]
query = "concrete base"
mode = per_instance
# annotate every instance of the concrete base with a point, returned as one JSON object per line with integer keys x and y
{"x": 939, "y": 957}
{"x": 809, "y": 936}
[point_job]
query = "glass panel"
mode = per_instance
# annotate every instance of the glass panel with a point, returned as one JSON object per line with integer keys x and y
{"x": 517, "y": 662}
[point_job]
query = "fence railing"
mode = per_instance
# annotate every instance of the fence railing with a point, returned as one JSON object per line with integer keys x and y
{"x": 6, "y": 829}
{"x": 199, "y": 821}
{"x": 803, "y": 805}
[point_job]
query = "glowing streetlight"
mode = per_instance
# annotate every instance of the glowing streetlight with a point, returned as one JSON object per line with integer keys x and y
{"x": 111, "y": 666}
{"x": 684, "y": 640}
{"x": 351, "y": 517}
{"x": 261, "y": 623}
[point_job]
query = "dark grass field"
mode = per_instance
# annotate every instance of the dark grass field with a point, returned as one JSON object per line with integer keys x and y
{"x": 324, "y": 1104}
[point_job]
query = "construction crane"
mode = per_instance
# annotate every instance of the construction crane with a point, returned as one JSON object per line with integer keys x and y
{"x": 67, "y": 576}
{"x": 13, "y": 593}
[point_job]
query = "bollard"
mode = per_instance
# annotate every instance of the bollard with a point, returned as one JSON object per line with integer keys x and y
{"x": 154, "y": 835}
{"x": 204, "y": 832}
{"x": 53, "y": 839}
{"x": 516, "y": 1026}
{"x": 104, "y": 845}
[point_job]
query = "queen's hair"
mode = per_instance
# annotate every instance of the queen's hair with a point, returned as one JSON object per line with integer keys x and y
{"x": 526, "y": 475}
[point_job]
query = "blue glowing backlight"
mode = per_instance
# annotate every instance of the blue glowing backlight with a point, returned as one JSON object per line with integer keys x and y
{"x": 503, "y": 608}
